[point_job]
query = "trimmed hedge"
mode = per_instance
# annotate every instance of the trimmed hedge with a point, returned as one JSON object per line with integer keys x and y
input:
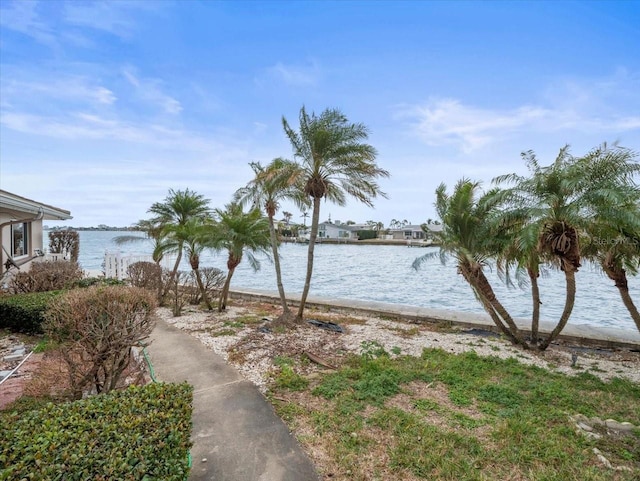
{"x": 25, "y": 312}
{"x": 141, "y": 433}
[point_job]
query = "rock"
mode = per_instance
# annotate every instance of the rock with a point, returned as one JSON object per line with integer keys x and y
{"x": 584, "y": 427}
{"x": 19, "y": 351}
{"x": 13, "y": 357}
{"x": 602, "y": 459}
{"x": 4, "y": 374}
{"x": 614, "y": 425}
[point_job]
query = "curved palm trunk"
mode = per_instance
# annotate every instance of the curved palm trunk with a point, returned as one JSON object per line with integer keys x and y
{"x": 276, "y": 261}
{"x": 232, "y": 263}
{"x": 619, "y": 277}
{"x": 535, "y": 298}
{"x": 203, "y": 291}
{"x": 570, "y": 277}
{"x": 315, "y": 220}
{"x": 173, "y": 272}
{"x": 485, "y": 288}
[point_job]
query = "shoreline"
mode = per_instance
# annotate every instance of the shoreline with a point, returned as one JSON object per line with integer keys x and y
{"x": 580, "y": 334}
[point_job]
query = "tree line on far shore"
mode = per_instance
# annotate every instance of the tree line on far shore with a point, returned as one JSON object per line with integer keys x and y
{"x": 576, "y": 208}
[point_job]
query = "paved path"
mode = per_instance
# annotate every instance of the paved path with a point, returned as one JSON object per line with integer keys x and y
{"x": 234, "y": 427}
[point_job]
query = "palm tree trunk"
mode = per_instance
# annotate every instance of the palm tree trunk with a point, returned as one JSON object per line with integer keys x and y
{"x": 485, "y": 288}
{"x": 315, "y": 220}
{"x": 490, "y": 307}
{"x": 224, "y": 295}
{"x": 619, "y": 277}
{"x": 276, "y": 261}
{"x": 535, "y": 297}
{"x": 203, "y": 291}
{"x": 570, "y": 277}
{"x": 174, "y": 271}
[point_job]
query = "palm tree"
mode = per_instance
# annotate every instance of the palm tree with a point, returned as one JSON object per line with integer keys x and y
{"x": 468, "y": 235}
{"x": 153, "y": 231}
{"x": 287, "y": 217}
{"x": 192, "y": 236}
{"x": 270, "y": 185}
{"x": 613, "y": 239}
{"x": 176, "y": 210}
{"x": 552, "y": 199}
{"x": 238, "y": 233}
{"x": 335, "y": 162}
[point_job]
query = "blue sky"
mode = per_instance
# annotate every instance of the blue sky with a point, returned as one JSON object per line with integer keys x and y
{"x": 104, "y": 106}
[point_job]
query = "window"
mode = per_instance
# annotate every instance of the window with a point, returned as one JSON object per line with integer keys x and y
{"x": 19, "y": 239}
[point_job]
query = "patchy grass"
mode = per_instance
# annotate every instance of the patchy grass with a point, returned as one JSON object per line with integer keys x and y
{"x": 456, "y": 417}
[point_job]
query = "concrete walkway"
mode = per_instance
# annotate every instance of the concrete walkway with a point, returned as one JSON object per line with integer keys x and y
{"x": 236, "y": 434}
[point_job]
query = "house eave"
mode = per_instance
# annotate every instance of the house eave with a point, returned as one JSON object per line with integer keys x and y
{"x": 19, "y": 206}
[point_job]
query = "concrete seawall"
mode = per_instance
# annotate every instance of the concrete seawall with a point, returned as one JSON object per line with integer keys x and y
{"x": 577, "y": 334}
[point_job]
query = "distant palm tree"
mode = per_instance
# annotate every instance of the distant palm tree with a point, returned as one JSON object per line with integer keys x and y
{"x": 287, "y": 216}
{"x": 467, "y": 235}
{"x": 336, "y": 162}
{"x": 238, "y": 233}
{"x": 177, "y": 209}
{"x": 270, "y": 185}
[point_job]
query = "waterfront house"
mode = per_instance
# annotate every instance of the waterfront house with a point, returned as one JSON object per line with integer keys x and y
{"x": 414, "y": 232}
{"x": 21, "y": 236}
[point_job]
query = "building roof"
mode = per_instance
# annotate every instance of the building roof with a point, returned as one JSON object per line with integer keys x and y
{"x": 17, "y": 206}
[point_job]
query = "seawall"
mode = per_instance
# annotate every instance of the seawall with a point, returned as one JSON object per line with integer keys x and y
{"x": 577, "y": 334}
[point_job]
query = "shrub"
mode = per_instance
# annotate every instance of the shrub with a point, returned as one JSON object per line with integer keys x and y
{"x": 175, "y": 293}
{"x": 147, "y": 275}
{"x": 212, "y": 279}
{"x": 138, "y": 433}
{"x": 65, "y": 241}
{"x": 46, "y": 276}
{"x": 96, "y": 328}
{"x": 98, "y": 281}
{"x": 25, "y": 312}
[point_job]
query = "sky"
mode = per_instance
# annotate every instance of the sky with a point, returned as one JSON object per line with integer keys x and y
{"x": 106, "y": 105}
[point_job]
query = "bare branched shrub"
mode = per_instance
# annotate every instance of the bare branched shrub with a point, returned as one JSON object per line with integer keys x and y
{"x": 96, "y": 328}
{"x": 212, "y": 279}
{"x": 65, "y": 241}
{"x": 147, "y": 275}
{"x": 46, "y": 276}
{"x": 176, "y": 294}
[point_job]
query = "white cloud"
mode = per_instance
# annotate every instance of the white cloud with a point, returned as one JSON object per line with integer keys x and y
{"x": 74, "y": 88}
{"x": 295, "y": 75}
{"x": 150, "y": 91}
{"x": 601, "y": 108}
{"x": 24, "y": 17}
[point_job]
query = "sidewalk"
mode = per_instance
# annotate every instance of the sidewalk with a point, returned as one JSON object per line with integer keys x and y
{"x": 236, "y": 434}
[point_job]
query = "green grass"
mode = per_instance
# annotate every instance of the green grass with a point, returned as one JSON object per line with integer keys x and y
{"x": 472, "y": 418}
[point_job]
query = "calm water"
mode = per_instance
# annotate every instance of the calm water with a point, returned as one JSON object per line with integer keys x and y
{"x": 384, "y": 273}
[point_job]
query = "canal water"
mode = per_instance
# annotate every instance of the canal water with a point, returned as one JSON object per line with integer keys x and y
{"x": 384, "y": 273}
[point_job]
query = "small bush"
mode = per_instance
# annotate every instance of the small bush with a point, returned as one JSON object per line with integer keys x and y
{"x": 147, "y": 275}
{"x": 25, "y": 312}
{"x": 46, "y": 276}
{"x": 138, "y": 433}
{"x": 96, "y": 328}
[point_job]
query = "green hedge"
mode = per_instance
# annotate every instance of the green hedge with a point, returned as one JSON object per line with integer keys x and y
{"x": 24, "y": 312}
{"x": 141, "y": 433}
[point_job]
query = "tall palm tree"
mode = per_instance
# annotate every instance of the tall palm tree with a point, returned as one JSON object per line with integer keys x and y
{"x": 238, "y": 233}
{"x": 552, "y": 199}
{"x": 467, "y": 235}
{"x": 613, "y": 237}
{"x": 336, "y": 163}
{"x": 192, "y": 235}
{"x": 178, "y": 207}
{"x": 270, "y": 185}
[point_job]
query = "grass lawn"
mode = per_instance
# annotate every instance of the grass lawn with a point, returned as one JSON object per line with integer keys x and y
{"x": 456, "y": 417}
